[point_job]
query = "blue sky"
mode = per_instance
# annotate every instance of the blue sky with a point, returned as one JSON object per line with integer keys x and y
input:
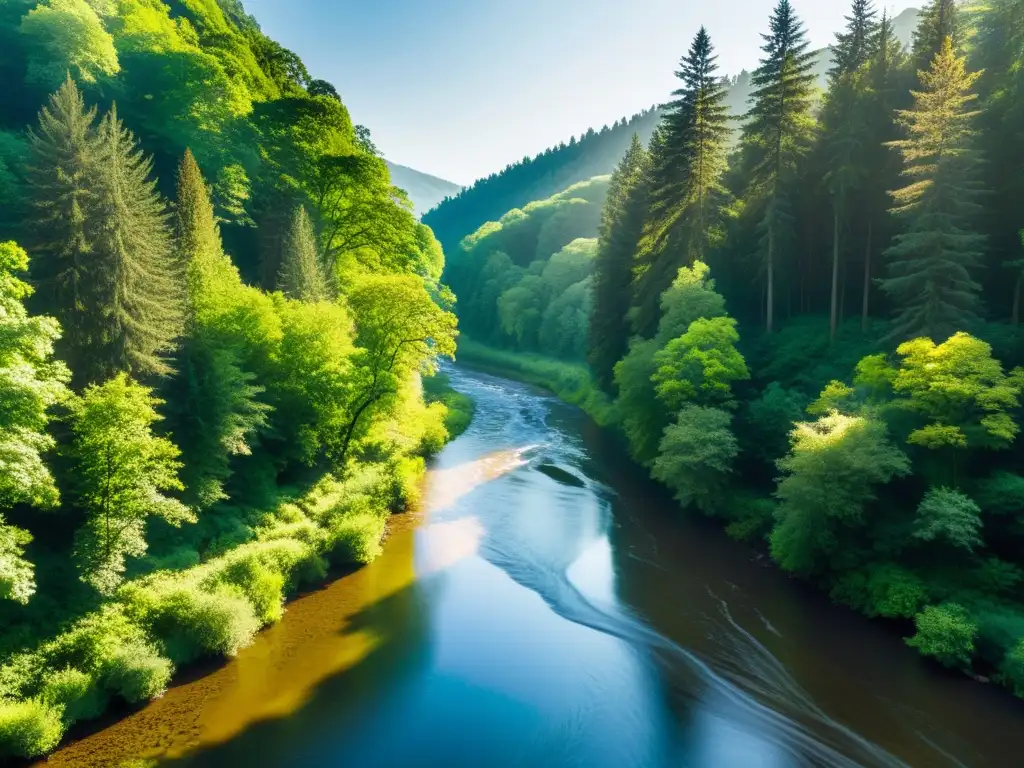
{"x": 460, "y": 88}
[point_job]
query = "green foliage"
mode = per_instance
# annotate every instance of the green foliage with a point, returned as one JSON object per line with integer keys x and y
{"x": 459, "y": 407}
{"x": 948, "y": 515}
{"x": 695, "y": 456}
{"x": 68, "y": 36}
{"x": 945, "y": 633}
{"x": 770, "y": 418}
{"x": 881, "y": 589}
{"x": 701, "y": 365}
{"x": 302, "y": 274}
{"x": 28, "y": 728}
{"x": 1011, "y": 671}
{"x": 831, "y": 473}
{"x": 643, "y": 417}
{"x": 122, "y": 468}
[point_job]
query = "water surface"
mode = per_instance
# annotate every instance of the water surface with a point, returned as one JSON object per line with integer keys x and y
{"x": 551, "y": 606}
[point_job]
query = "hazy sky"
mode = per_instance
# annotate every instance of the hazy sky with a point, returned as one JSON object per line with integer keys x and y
{"x": 460, "y": 88}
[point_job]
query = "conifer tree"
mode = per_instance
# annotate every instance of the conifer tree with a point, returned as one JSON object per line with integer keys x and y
{"x": 887, "y": 88}
{"x": 930, "y": 261}
{"x": 213, "y": 407}
{"x": 853, "y": 46}
{"x": 778, "y": 131}
{"x": 139, "y": 283}
{"x": 686, "y": 186}
{"x": 302, "y": 274}
{"x": 844, "y": 130}
{"x": 62, "y": 166}
{"x": 619, "y": 234}
{"x": 939, "y": 20}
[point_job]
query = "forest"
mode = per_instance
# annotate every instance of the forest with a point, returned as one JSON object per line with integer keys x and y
{"x": 806, "y": 322}
{"x": 215, "y": 310}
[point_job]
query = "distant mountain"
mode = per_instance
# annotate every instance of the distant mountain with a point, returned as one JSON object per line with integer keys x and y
{"x": 595, "y": 153}
{"x": 425, "y": 191}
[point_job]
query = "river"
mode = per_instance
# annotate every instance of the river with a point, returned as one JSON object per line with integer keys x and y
{"x": 551, "y": 606}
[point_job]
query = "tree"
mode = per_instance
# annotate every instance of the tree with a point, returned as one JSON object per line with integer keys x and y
{"x": 619, "y": 233}
{"x": 845, "y": 129}
{"x": 691, "y": 296}
{"x": 700, "y": 365}
{"x": 946, "y": 633}
{"x": 121, "y": 472}
{"x": 777, "y": 132}
{"x": 939, "y": 21}
{"x": 64, "y": 152}
{"x": 214, "y": 410}
{"x": 686, "y": 188}
{"x": 695, "y": 456}
{"x": 139, "y": 283}
{"x": 400, "y": 329}
{"x": 951, "y": 516}
{"x": 302, "y": 273}
{"x": 931, "y": 260}
{"x": 68, "y": 37}
{"x": 830, "y": 474}
{"x": 31, "y": 382}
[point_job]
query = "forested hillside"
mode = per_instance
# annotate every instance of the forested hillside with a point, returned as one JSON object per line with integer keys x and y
{"x": 593, "y": 154}
{"x": 424, "y": 191}
{"x": 807, "y": 326}
{"x": 214, "y": 310}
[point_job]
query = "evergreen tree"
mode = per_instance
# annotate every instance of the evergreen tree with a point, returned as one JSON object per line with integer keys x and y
{"x": 619, "y": 232}
{"x": 930, "y": 261}
{"x": 939, "y": 20}
{"x": 213, "y": 406}
{"x": 64, "y": 155}
{"x": 686, "y": 179}
{"x": 302, "y": 274}
{"x": 139, "y": 282}
{"x": 845, "y": 129}
{"x": 887, "y": 87}
{"x": 777, "y": 132}
{"x": 853, "y": 46}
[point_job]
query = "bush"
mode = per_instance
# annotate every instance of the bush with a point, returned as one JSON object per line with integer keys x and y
{"x": 29, "y": 728}
{"x": 355, "y": 538}
{"x": 192, "y": 623}
{"x": 74, "y": 692}
{"x": 751, "y": 517}
{"x": 137, "y": 674}
{"x": 263, "y": 587}
{"x": 946, "y": 633}
{"x": 882, "y": 589}
{"x": 1011, "y": 671}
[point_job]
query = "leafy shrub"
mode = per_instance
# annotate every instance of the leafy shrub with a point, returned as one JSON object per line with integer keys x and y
{"x": 355, "y": 538}
{"x": 74, "y": 692}
{"x": 263, "y": 587}
{"x": 1011, "y": 671}
{"x": 29, "y": 728}
{"x": 751, "y": 517}
{"x": 137, "y": 674}
{"x": 946, "y": 633}
{"x": 883, "y": 589}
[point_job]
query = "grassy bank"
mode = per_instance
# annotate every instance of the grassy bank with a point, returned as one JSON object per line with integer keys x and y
{"x": 570, "y": 382}
{"x": 129, "y": 649}
{"x": 461, "y": 407}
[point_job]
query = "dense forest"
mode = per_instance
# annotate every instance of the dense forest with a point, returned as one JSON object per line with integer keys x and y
{"x": 214, "y": 310}
{"x": 805, "y": 323}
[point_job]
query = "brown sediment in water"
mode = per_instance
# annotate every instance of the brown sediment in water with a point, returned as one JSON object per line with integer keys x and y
{"x": 270, "y": 679}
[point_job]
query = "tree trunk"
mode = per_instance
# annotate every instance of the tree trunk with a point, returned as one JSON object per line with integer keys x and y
{"x": 833, "y": 315}
{"x": 770, "y": 308}
{"x": 867, "y": 283}
{"x": 1016, "y": 298}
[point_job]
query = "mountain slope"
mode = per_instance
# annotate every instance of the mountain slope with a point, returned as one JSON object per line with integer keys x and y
{"x": 425, "y": 191}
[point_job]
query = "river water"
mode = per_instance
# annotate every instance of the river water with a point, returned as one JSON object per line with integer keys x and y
{"x": 551, "y": 606}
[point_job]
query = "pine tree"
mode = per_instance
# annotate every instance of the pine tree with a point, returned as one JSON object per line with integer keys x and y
{"x": 938, "y": 21}
{"x": 302, "y": 274}
{"x": 930, "y": 261}
{"x": 619, "y": 234}
{"x": 140, "y": 285}
{"x": 213, "y": 407}
{"x": 777, "y": 132}
{"x": 887, "y": 90}
{"x": 686, "y": 186}
{"x": 64, "y": 156}
{"x": 844, "y": 130}
{"x": 853, "y": 46}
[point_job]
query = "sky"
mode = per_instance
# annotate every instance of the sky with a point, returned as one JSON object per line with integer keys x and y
{"x": 461, "y": 88}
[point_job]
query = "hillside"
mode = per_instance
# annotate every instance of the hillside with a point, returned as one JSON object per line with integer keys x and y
{"x": 595, "y": 153}
{"x": 425, "y": 191}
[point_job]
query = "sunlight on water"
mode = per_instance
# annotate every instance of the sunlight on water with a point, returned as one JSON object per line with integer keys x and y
{"x": 446, "y": 486}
